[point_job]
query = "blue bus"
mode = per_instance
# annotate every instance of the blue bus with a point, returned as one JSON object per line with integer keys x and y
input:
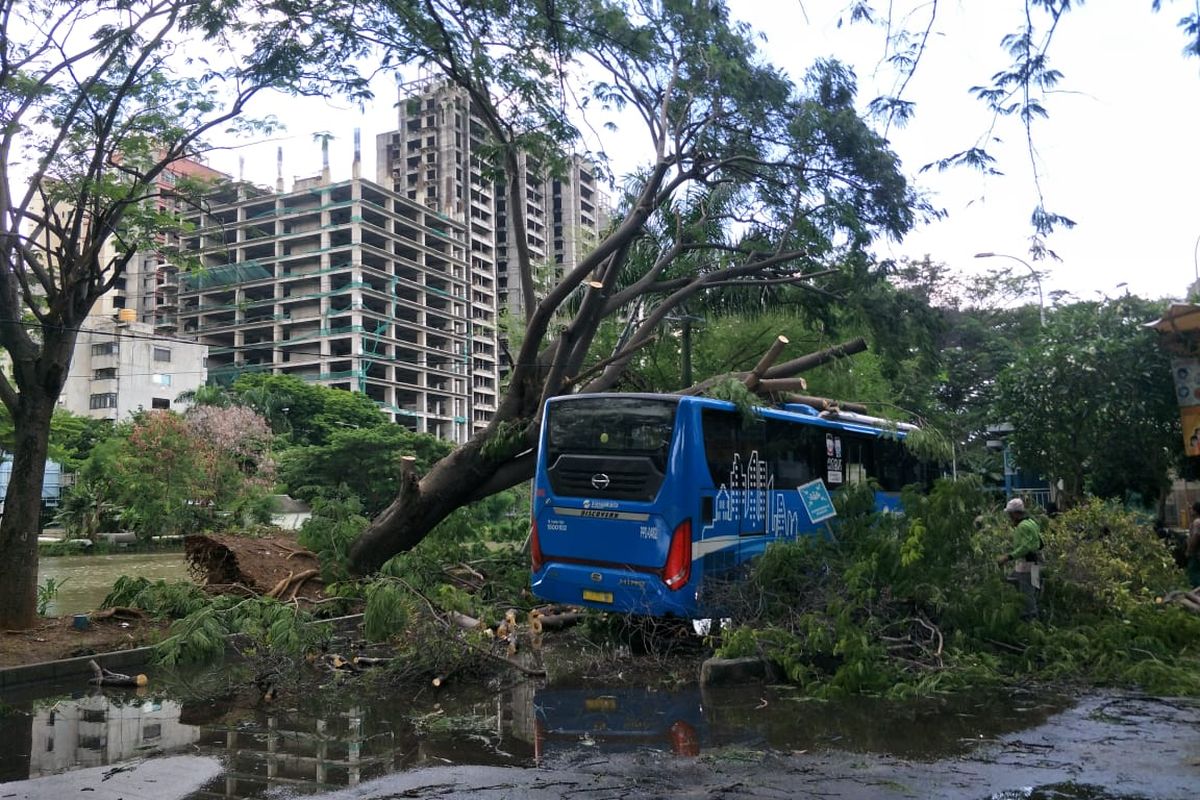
{"x": 640, "y": 499}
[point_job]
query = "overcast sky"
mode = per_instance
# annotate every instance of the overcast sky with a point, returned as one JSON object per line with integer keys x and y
{"x": 1118, "y": 153}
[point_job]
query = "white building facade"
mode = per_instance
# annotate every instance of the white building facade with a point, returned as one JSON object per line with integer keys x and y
{"x": 121, "y": 367}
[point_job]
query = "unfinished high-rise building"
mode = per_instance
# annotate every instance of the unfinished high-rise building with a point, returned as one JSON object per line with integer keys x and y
{"x": 350, "y": 285}
{"x": 437, "y": 158}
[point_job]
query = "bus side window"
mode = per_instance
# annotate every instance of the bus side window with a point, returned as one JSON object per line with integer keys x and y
{"x": 795, "y": 453}
{"x": 897, "y": 466}
{"x": 858, "y": 457}
{"x": 720, "y": 443}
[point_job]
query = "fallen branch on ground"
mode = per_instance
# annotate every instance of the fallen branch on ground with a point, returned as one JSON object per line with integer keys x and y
{"x": 104, "y": 677}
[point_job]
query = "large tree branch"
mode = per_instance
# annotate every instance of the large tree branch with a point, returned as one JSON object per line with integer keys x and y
{"x": 788, "y": 368}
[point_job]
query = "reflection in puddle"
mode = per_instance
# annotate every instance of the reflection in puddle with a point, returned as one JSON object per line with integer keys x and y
{"x": 690, "y": 721}
{"x": 342, "y": 737}
{"x": 94, "y": 732}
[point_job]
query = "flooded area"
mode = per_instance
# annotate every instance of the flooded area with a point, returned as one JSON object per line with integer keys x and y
{"x": 89, "y": 578}
{"x": 532, "y": 741}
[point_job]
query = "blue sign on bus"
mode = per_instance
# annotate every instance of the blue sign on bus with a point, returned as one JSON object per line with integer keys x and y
{"x": 817, "y": 501}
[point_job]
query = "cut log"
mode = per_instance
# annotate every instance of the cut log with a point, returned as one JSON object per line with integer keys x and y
{"x": 772, "y": 385}
{"x": 104, "y": 677}
{"x": 826, "y": 404}
{"x": 465, "y": 622}
{"x": 371, "y": 661}
{"x": 765, "y": 362}
{"x": 554, "y": 622}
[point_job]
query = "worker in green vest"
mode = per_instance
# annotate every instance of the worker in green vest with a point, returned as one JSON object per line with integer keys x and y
{"x": 1024, "y": 555}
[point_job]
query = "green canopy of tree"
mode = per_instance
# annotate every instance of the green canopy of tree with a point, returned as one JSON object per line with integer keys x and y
{"x": 1093, "y": 403}
{"x": 164, "y": 473}
{"x": 307, "y": 413}
{"x": 363, "y": 462}
{"x": 99, "y": 102}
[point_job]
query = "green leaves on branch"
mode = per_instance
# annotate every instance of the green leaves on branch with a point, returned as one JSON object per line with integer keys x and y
{"x": 1092, "y": 402}
{"x": 258, "y": 626}
{"x": 910, "y": 604}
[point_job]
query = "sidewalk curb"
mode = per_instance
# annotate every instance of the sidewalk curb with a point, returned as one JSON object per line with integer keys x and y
{"x": 12, "y": 677}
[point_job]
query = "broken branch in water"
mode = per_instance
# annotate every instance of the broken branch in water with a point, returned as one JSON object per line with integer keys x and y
{"x": 105, "y": 677}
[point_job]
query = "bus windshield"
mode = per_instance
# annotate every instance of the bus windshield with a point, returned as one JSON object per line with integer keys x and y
{"x": 618, "y": 426}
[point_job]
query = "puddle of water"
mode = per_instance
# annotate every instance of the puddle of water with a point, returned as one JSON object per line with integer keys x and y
{"x": 89, "y": 578}
{"x": 343, "y": 737}
{"x": 306, "y": 743}
{"x": 691, "y": 721}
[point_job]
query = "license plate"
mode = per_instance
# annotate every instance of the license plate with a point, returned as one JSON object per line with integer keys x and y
{"x": 597, "y": 597}
{"x": 600, "y": 704}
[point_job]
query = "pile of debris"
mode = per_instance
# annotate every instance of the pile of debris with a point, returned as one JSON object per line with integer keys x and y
{"x": 267, "y": 566}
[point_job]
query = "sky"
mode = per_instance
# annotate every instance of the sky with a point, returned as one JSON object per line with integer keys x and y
{"x": 1118, "y": 153}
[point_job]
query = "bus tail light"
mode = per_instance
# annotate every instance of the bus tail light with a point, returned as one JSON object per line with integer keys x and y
{"x": 678, "y": 569}
{"x": 535, "y": 547}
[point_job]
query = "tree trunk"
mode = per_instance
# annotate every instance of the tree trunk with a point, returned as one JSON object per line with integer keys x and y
{"x": 20, "y": 525}
{"x": 458, "y": 479}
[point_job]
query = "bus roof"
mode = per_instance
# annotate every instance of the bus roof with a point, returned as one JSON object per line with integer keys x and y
{"x": 794, "y": 412}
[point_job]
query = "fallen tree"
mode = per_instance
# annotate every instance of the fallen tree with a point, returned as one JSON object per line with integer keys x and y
{"x": 752, "y": 184}
{"x": 267, "y": 566}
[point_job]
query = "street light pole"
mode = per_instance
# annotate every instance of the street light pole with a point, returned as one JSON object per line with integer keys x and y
{"x": 1037, "y": 278}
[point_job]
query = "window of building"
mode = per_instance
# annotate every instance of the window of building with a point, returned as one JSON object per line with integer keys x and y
{"x": 162, "y": 354}
{"x": 104, "y": 349}
{"x": 160, "y": 402}
{"x": 105, "y": 374}
{"x": 161, "y": 379}
{"x": 104, "y": 400}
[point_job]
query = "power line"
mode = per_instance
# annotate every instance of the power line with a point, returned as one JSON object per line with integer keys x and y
{"x": 243, "y": 347}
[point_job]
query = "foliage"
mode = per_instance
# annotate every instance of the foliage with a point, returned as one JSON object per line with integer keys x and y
{"x": 1093, "y": 402}
{"x": 307, "y": 413}
{"x": 744, "y": 400}
{"x": 85, "y": 510}
{"x": 929, "y": 444}
{"x": 334, "y": 524}
{"x": 910, "y": 604}
{"x": 73, "y": 437}
{"x": 163, "y": 473}
{"x": 257, "y": 626}
{"x": 47, "y": 592}
{"x": 159, "y": 599}
{"x": 390, "y": 607}
{"x": 364, "y": 463}
{"x": 1105, "y": 562}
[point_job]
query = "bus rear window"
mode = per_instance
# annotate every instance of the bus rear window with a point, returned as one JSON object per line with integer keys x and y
{"x": 612, "y": 426}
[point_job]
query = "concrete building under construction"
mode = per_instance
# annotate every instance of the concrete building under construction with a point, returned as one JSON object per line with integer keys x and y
{"x": 350, "y": 285}
{"x": 438, "y": 158}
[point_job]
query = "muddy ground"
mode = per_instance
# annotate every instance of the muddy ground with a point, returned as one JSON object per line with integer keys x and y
{"x": 57, "y": 638}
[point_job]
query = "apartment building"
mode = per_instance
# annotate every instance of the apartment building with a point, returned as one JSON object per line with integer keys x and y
{"x": 438, "y": 158}
{"x": 350, "y": 285}
{"x": 563, "y": 218}
{"x": 121, "y": 366}
{"x": 150, "y": 286}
